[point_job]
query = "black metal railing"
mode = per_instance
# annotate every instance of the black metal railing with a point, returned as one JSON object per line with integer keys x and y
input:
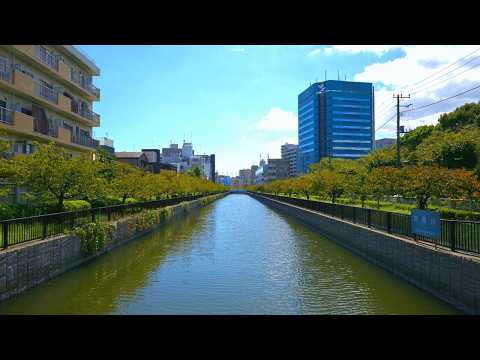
{"x": 454, "y": 234}
{"x": 17, "y": 231}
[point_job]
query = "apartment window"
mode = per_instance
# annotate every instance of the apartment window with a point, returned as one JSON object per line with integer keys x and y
{"x": 21, "y": 147}
{"x": 3, "y": 68}
{"x": 26, "y": 111}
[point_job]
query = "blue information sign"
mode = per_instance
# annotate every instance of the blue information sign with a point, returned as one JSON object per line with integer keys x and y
{"x": 426, "y": 223}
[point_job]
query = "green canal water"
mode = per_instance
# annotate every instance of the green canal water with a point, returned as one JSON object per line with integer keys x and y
{"x": 235, "y": 256}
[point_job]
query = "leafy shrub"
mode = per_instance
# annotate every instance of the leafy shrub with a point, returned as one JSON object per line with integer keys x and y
{"x": 146, "y": 219}
{"x": 93, "y": 236}
{"x": 106, "y": 201}
{"x": 130, "y": 200}
{"x": 75, "y": 205}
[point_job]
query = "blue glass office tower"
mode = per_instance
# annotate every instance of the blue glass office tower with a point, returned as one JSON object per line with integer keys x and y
{"x": 335, "y": 119}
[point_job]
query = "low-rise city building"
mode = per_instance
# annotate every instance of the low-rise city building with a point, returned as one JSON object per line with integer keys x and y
{"x": 290, "y": 153}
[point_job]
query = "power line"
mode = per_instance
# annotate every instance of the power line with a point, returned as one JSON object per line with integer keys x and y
{"x": 449, "y": 78}
{"x": 439, "y": 101}
{"x": 437, "y": 72}
{"x": 386, "y": 122}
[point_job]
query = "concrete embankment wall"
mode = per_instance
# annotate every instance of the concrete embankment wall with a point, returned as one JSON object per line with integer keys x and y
{"x": 27, "y": 265}
{"x": 452, "y": 277}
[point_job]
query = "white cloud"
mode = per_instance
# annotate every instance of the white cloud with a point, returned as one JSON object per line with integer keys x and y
{"x": 238, "y": 49}
{"x": 403, "y": 75}
{"x": 328, "y": 51}
{"x": 278, "y": 120}
{"x": 273, "y": 148}
{"x": 355, "y": 49}
{"x": 314, "y": 52}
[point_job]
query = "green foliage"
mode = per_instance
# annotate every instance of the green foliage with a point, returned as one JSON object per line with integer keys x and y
{"x": 468, "y": 114}
{"x": 93, "y": 237}
{"x": 147, "y": 219}
{"x": 415, "y": 137}
{"x": 75, "y": 205}
{"x": 195, "y": 172}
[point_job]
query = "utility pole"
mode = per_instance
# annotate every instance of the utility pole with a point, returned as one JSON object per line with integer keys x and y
{"x": 398, "y": 125}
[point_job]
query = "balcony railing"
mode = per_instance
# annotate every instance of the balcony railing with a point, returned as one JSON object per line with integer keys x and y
{"x": 87, "y": 114}
{"x": 85, "y": 141}
{"x": 6, "y": 116}
{"x": 47, "y": 57}
{"x": 84, "y": 82}
{"x": 46, "y": 92}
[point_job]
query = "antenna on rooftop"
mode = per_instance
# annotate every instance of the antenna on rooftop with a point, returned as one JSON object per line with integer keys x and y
{"x": 325, "y": 75}
{"x": 338, "y": 72}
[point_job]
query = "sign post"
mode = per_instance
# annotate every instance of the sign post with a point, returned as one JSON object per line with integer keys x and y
{"x": 426, "y": 223}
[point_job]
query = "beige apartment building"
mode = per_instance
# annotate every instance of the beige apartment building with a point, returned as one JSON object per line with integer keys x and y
{"x": 46, "y": 94}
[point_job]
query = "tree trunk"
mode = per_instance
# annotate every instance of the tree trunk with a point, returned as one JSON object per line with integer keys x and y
{"x": 60, "y": 203}
{"x": 124, "y": 198}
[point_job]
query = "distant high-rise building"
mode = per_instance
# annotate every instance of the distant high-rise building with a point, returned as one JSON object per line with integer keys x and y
{"x": 277, "y": 169}
{"x": 172, "y": 154}
{"x": 253, "y": 170}
{"x": 245, "y": 176}
{"x": 290, "y": 152}
{"x": 187, "y": 150}
{"x": 335, "y": 119}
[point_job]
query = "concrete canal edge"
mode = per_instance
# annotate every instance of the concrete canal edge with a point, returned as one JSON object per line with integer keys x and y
{"x": 450, "y": 276}
{"x": 30, "y": 264}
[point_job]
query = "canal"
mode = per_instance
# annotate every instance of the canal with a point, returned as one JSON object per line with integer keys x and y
{"x": 234, "y": 256}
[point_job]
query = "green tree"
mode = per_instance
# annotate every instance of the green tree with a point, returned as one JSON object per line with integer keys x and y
{"x": 415, "y": 137}
{"x": 383, "y": 181}
{"x": 424, "y": 182}
{"x": 195, "y": 172}
{"x": 467, "y": 114}
{"x": 51, "y": 171}
{"x": 451, "y": 149}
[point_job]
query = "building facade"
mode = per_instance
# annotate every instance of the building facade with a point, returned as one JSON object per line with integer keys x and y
{"x": 107, "y": 144}
{"x": 245, "y": 176}
{"x": 47, "y": 94}
{"x": 335, "y": 119}
{"x": 290, "y": 153}
{"x": 138, "y": 159}
{"x": 275, "y": 169}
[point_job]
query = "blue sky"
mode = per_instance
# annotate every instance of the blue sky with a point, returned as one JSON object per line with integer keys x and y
{"x": 236, "y": 101}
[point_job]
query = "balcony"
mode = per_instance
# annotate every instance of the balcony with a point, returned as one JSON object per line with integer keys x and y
{"x": 26, "y": 125}
{"x": 85, "y": 141}
{"x": 56, "y": 66}
{"x": 45, "y": 92}
{"x": 85, "y": 82}
{"x": 46, "y": 57}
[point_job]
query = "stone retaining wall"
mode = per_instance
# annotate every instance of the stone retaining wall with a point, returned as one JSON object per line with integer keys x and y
{"x": 27, "y": 265}
{"x": 450, "y": 276}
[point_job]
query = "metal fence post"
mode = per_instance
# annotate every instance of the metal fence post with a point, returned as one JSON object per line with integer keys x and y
{"x": 5, "y": 235}
{"x": 353, "y": 215}
{"x": 369, "y": 217}
{"x": 44, "y": 228}
{"x": 93, "y": 215}
{"x": 389, "y": 222}
{"x": 109, "y": 214}
{"x": 452, "y": 235}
